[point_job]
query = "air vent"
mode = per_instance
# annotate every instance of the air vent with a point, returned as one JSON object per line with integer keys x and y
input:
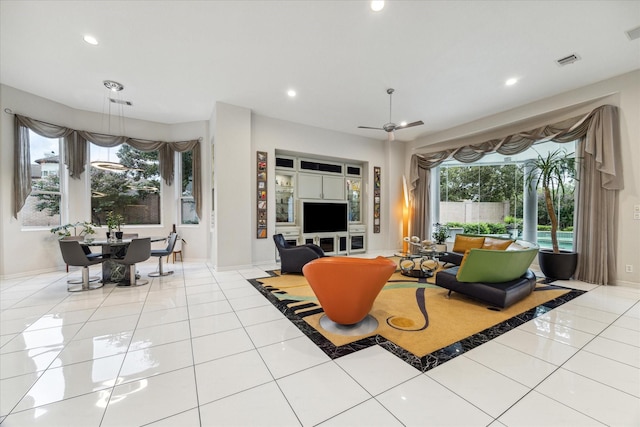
{"x": 634, "y": 34}
{"x": 120, "y": 101}
{"x": 568, "y": 60}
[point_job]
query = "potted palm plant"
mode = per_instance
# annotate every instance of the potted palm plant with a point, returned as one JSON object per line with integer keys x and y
{"x": 551, "y": 172}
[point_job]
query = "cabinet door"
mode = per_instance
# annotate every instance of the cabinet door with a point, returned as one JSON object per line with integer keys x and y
{"x": 332, "y": 188}
{"x": 309, "y": 186}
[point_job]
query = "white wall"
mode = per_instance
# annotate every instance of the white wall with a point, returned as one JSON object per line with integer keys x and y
{"x": 36, "y": 250}
{"x": 622, "y": 91}
{"x": 270, "y": 135}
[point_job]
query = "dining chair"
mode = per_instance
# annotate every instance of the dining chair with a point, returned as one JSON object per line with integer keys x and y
{"x": 74, "y": 255}
{"x": 139, "y": 250}
{"x": 160, "y": 253}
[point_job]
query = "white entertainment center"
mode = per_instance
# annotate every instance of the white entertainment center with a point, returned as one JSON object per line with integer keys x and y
{"x": 320, "y": 202}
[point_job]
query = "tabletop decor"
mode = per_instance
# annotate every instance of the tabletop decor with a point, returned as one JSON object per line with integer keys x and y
{"x": 114, "y": 222}
{"x": 84, "y": 229}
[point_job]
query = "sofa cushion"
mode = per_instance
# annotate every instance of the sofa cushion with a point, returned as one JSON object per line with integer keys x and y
{"x": 490, "y": 266}
{"x": 496, "y": 244}
{"x": 463, "y": 242}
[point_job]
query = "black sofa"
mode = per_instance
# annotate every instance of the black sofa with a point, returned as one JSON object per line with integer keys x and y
{"x": 500, "y": 295}
{"x": 496, "y": 271}
{"x": 293, "y": 258}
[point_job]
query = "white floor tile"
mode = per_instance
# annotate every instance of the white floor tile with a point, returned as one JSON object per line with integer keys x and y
{"x": 158, "y": 335}
{"x": 367, "y": 414}
{"x": 273, "y": 332}
{"x": 156, "y": 360}
{"x": 214, "y": 324}
{"x": 41, "y": 338}
{"x": 551, "y": 351}
{"x": 253, "y": 316}
{"x": 268, "y": 408}
{"x": 94, "y": 348}
{"x": 209, "y": 309}
{"x": 615, "y": 350}
{"x": 56, "y": 320}
{"x": 376, "y": 369}
{"x": 421, "y": 401}
{"x": 527, "y": 413}
{"x": 615, "y": 374}
{"x": 111, "y": 311}
{"x": 316, "y": 394}
{"x": 248, "y": 302}
{"x": 13, "y": 390}
{"x": 601, "y": 402}
{"x": 72, "y": 380}
{"x": 287, "y": 357}
{"x": 514, "y": 364}
{"x": 161, "y": 317}
{"x": 215, "y": 346}
{"x": 104, "y": 327}
{"x": 469, "y": 379}
{"x": 229, "y": 375}
{"x": 80, "y": 411}
{"x": 557, "y": 332}
{"x": 190, "y": 418}
{"x": 27, "y": 361}
{"x": 624, "y": 335}
{"x": 151, "y": 399}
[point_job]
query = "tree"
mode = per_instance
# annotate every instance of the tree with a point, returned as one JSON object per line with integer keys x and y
{"x": 47, "y": 201}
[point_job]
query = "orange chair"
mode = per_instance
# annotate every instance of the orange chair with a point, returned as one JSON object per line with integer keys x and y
{"x": 347, "y": 287}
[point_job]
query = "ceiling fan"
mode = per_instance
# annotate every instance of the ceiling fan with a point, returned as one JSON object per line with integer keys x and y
{"x": 391, "y": 127}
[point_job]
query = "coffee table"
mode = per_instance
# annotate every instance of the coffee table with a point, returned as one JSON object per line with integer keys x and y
{"x": 426, "y": 262}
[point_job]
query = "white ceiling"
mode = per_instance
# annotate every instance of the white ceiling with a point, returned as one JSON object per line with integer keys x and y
{"x": 448, "y": 61}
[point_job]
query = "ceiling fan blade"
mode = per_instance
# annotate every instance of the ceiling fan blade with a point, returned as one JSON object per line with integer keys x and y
{"x": 368, "y": 127}
{"x": 412, "y": 124}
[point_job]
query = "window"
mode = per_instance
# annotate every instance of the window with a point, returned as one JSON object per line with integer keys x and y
{"x": 489, "y": 197}
{"x": 42, "y": 207}
{"x": 126, "y": 181}
{"x": 187, "y": 203}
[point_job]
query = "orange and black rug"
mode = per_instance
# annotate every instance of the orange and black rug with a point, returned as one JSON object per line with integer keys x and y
{"x": 416, "y": 319}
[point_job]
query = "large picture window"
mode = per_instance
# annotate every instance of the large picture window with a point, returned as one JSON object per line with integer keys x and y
{"x": 126, "y": 181}
{"x": 42, "y": 207}
{"x": 488, "y": 197}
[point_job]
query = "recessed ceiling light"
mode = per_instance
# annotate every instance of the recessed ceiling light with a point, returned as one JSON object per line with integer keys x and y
{"x": 91, "y": 40}
{"x": 511, "y": 81}
{"x": 291, "y": 93}
{"x": 377, "y": 6}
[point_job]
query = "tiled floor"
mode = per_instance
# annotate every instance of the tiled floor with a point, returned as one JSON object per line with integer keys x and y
{"x": 202, "y": 348}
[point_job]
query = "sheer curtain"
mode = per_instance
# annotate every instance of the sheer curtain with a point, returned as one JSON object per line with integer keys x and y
{"x": 600, "y": 179}
{"x": 75, "y": 148}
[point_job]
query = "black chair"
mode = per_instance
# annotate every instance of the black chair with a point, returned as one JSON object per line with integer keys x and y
{"x": 74, "y": 255}
{"x": 139, "y": 250}
{"x": 293, "y": 258}
{"x": 160, "y": 253}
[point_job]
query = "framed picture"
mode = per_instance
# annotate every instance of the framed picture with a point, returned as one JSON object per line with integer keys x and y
{"x": 261, "y": 202}
{"x": 376, "y": 198}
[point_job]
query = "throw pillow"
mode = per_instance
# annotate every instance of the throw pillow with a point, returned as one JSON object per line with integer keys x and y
{"x": 462, "y": 243}
{"x": 496, "y": 244}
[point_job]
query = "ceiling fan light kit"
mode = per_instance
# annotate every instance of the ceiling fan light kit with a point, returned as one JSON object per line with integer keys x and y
{"x": 391, "y": 127}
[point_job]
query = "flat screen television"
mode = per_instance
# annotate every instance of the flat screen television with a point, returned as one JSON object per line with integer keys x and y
{"x": 324, "y": 217}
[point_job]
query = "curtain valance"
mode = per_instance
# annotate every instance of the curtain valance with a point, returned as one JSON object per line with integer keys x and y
{"x": 75, "y": 158}
{"x": 565, "y": 131}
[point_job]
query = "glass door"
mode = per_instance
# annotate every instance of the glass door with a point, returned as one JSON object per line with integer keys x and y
{"x": 354, "y": 195}
{"x": 284, "y": 198}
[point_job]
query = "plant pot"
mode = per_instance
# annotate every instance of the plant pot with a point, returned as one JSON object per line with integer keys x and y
{"x": 559, "y": 266}
{"x": 441, "y": 247}
{"x": 119, "y": 235}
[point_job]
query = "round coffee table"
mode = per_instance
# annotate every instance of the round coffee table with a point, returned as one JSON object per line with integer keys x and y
{"x": 420, "y": 265}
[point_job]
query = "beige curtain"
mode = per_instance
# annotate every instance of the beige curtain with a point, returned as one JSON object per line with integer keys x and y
{"x": 75, "y": 148}
{"x": 600, "y": 179}
{"x": 420, "y": 181}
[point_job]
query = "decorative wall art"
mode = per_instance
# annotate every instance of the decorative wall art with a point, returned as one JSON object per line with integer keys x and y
{"x": 261, "y": 203}
{"x": 376, "y": 199}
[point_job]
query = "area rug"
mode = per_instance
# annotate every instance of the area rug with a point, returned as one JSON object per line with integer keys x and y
{"x": 416, "y": 320}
